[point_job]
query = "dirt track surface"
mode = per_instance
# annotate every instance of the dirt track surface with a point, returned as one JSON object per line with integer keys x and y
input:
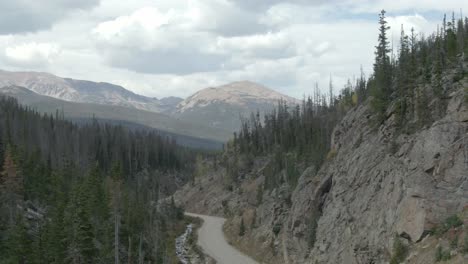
{"x": 211, "y": 239}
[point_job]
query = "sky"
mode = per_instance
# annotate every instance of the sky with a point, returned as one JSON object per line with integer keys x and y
{"x": 165, "y": 48}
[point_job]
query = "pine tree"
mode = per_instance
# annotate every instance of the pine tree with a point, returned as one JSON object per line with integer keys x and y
{"x": 403, "y": 79}
{"x": 19, "y": 243}
{"x": 116, "y": 182}
{"x": 381, "y": 89}
{"x": 85, "y": 230}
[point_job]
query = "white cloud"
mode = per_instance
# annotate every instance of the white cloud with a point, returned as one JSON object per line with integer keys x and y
{"x": 151, "y": 41}
{"x": 407, "y": 5}
{"x": 269, "y": 45}
{"x": 32, "y": 54}
{"x": 141, "y": 29}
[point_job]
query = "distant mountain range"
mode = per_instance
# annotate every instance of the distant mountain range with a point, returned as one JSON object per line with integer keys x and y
{"x": 210, "y": 114}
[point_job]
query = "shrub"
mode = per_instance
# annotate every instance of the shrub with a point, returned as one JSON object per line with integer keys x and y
{"x": 400, "y": 251}
{"x": 313, "y": 231}
{"x": 465, "y": 243}
{"x": 276, "y": 229}
{"x": 442, "y": 255}
{"x": 451, "y": 222}
{"x": 242, "y": 228}
{"x": 454, "y": 242}
{"x": 259, "y": 194}
{"x": 331, "y": 154}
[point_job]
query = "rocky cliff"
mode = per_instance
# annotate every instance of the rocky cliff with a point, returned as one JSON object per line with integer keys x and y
{"x": 380, "y": 193}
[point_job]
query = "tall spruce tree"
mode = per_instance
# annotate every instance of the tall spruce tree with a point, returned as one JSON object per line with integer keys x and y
{"x": 381, "y": 89}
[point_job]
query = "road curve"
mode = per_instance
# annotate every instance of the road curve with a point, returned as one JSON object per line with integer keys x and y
{"x": 211, "y": 239}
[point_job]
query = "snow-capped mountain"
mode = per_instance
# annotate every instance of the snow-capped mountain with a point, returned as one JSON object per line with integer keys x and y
{"x": 222, "y": 106}
{"x": 84, "y": 91}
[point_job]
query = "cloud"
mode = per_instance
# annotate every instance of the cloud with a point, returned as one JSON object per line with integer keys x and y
{"x": 22, "y": 16}
{"x": 171, "y": 61}
{"x": 31, "y": 54}
{"x": 151, "y": 41}
{"x": 269, "y": 45}
{"x": 266, "y": 4}
{"x": 405, "y": 5}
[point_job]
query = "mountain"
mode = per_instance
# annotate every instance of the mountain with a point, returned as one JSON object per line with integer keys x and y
{"x": 221, "y": 107}
{"x": 217, "y": 108}
{"x": 187, "y": 132}
{"x": 85, "y": 91}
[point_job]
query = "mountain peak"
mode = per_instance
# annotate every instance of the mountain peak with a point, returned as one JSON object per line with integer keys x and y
{"x": 241, "y": 93}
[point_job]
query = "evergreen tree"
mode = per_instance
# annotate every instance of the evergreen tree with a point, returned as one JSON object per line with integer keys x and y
{"x": 18, "y": 243}
{"x": 381, "y": 89}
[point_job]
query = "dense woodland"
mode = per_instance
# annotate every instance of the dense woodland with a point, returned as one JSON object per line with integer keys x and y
{"x": 85, "y": 194}
{"x": 410, "y": 82}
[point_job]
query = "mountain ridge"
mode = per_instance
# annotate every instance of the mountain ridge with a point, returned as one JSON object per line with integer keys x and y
{"x": 82, "y": 91}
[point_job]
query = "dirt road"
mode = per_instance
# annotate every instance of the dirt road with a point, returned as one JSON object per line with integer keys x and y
{"x": 211, "y": 239}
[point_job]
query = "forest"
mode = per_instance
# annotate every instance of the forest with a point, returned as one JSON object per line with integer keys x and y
{"x": 88, "y": 193}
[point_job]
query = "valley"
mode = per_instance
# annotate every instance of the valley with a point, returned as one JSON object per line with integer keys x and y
{"x": 374, "y": 171}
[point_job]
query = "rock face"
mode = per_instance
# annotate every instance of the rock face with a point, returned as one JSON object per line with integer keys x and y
{"x": 384, "y": 184}
{"x": 380, "y": 184}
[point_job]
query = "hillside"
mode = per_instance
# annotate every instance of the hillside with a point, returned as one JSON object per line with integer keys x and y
{"x": 85, "y": 194}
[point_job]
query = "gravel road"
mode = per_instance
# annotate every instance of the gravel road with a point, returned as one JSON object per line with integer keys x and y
{"x": 211, "y": 239}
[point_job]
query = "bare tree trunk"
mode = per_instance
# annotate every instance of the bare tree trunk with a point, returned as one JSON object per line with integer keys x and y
{"x": 129, "y": 250}
{"x": 116, "y": 236}
{"x": 140, "y": 251}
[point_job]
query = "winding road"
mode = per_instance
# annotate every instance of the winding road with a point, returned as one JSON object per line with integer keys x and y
{"x": 211, "y": 239}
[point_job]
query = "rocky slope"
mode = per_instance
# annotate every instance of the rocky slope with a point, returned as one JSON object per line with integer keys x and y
{"x": 378, "y": 186}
